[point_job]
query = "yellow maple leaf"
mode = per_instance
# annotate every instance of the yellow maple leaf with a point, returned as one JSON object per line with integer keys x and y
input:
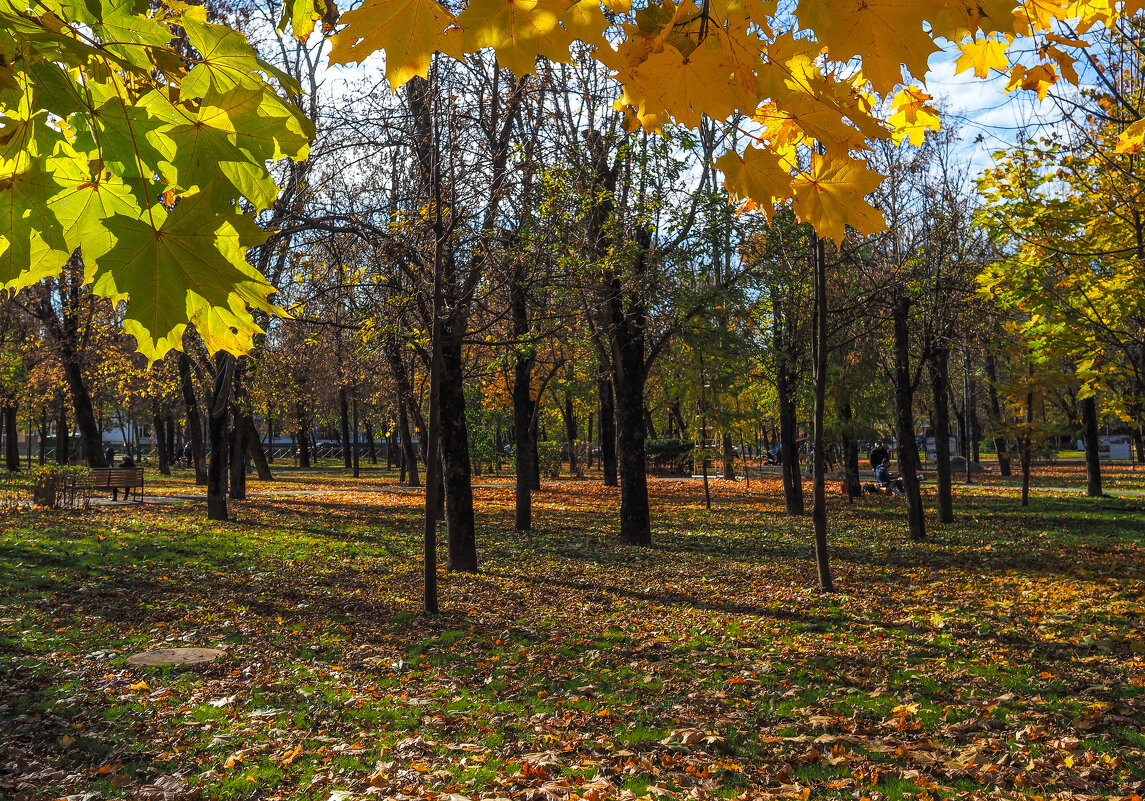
{"x": 956, "y": 19}
{"x": 585, "y": 21}
{"x": 687, "y": 86}
{"x": 833, "y": 196}
{"x": 409, "y": 31}
{"x": 885, "y": 33}
{"x": 518, "y": 30}
{"x": 758, "y": 179}
{"x": 982, "y": 55}
{"x": 913, "y": 116}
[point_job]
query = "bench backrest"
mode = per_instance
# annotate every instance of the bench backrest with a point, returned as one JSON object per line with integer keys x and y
{"x": 117, "y": 477}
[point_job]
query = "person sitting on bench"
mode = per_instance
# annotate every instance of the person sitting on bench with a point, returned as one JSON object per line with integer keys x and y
{"x": 886, "y": 481}
{"x": 126, "y": 463}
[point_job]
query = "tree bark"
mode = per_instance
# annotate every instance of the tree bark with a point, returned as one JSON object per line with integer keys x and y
{"x": 63, "y": 440}
{"x": 524, "y": 447}
{"x": 217, "y": 431}
{"x": 904, "y": 420}
{"x": 194, "y": 423}
{"x": 570, "y": 432}
{"x": 728, "y": 449}
{"x": 850, "y": 452}
{"x": 1000, "y": 446}
{"x": 158, "y": 429}
{"x": 819, "y": 458}
{"x": 239, "y": 440}
{"x": 938, "y": 366}
{"x": 607, "y": 425}
{"x": 11, "y": 436}
{"x": 303, "y": 438}
{"x": 455, "y": 455}
{"x": 255, "y": 450}
{"x": 91, "y": 441}
{"x": 409, "y": 454}
{"x": 344, "y": 409}
{"x": 1092, "y": 445}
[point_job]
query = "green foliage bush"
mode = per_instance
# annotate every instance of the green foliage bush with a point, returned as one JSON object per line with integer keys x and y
{"x": 669, "y": 454}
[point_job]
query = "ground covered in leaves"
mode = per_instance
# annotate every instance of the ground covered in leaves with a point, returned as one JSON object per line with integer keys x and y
{"x": 1004, "y": 657}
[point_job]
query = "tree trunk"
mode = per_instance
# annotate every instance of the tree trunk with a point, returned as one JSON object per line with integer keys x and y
{"x": 160, "y": 434}
{"x": 11, "y": 436}
{"x": 850, "y": 452}
{"x": 455, "y": 456}
{"x": 409, "y": 453}
{"x": 239, "y": 441}
{"x": 904, "y": 420}
{"x": 354, "y": 431}
{"x": 217, "y": 431}
{"x": 1026, "y": 454}
{"x": 370, "y": 438}
{"x": 303, "y": 438}
{"x": 938, "y": 365}
{"x": 344, "y": 409}
{"x": 1000, "y": 446}
{"x": 819, "y": 459}
{"x": 91, "y": 442}
{"x": 524, "y": 445}
{"x": 63, "y": 440}
{"x": 788, "y": 438}
{"x": 570, "y": 432}
{"x": 255, "y": 451}
{"x": 607, "y": 426}
{"x": 1092, "y": 453}
{"x": 728, "y": 449}
{"x": 194, "y": 423}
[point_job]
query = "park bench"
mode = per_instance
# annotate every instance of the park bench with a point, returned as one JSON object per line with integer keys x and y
{"x": 119, "y": 478}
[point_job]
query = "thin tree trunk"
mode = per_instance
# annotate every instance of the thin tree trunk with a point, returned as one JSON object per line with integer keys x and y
{"x": 303, "y": 438}
{"x": 938, "y": 366}
{"x": 819, "y": 459}
{"x": 1027, "y": 446}
{"x": 1092, "y": 445}
{"x": 1000, "y": 446}
{"x": 409, "y": 453}
{"x": 63, "y": 440}
{"x": 217, "y": 431}
{"x": 11, "y": 436}
{"x": 354, "y": 445}
{"x": 524, "y": 445}
{"x": 729, "y": 455}
{"x": 160, "y": 439}
{"x": 570, "y": 432}
{"x": 904, "y": 420}
{"x": 344, "y": 409}
{"x": 850, "y": 452}
{"x": 373, "y": 452}
{"x": 194, "y": 422}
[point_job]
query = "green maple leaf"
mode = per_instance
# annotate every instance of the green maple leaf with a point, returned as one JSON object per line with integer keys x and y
{"x": 32, "y": 244}
{"x": 227, "y": 61}
{"x": 192, "y": 259}
{"x": 84, "y": 201}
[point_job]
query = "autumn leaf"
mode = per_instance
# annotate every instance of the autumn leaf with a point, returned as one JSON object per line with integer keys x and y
{"x": 408, "y": 31}
{"x": 982, "y": 55}
{"x": 832, "y": 197}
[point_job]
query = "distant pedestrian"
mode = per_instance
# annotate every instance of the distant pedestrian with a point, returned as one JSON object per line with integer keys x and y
{"x": 878, "y": 454}
{"x": 109, "y": 455}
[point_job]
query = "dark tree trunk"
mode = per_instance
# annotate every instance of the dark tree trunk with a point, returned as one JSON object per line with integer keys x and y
{"x": 1027, "y": 445}
{"x": 344, "y": 409}
{"x": 11, "y": 436}
{"x": 91, "y": 442}
{"x": 607, "y": 426}
{"x": 43, "y": 455}
{"x": 727, "y": 448}
{"x": 534, "y": 440}
{"x": 409, "y": 454}
{"x": 1092, "y": 454}
{"x": 524, "y": 445}
{"x": 194, "y": 423}
{"x": 239, "y": 440}
{"x": 850, "y": 452}
{"x": 303, "y": 437}
{"x": 255, "y": 451}
{"x": 63, "y": 440}
{"x": 649, "y": 425}
{"x": 217, "y": 431}
{"x": 938, "y": 366}
{"x": 405, "y": 390}
{"x": 904, "y": 420}
{"x": 635, "y": 521}
{"x": 1000, "y": 446}
{"x": 370, "y": 438}
{"x": 788, "y": 438}
{"x": 169, "y": 430}
{"x": 570, "y": 433}
{"x": 819, "y": 458}
{"x": 455, "y": 455}
{"x": 354, "y": 432}
{"x": 160, "y": 439}
{"x": 975, "y": 425}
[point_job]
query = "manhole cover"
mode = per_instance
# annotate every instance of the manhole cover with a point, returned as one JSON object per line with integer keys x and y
{"x": 175, "y": 656}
